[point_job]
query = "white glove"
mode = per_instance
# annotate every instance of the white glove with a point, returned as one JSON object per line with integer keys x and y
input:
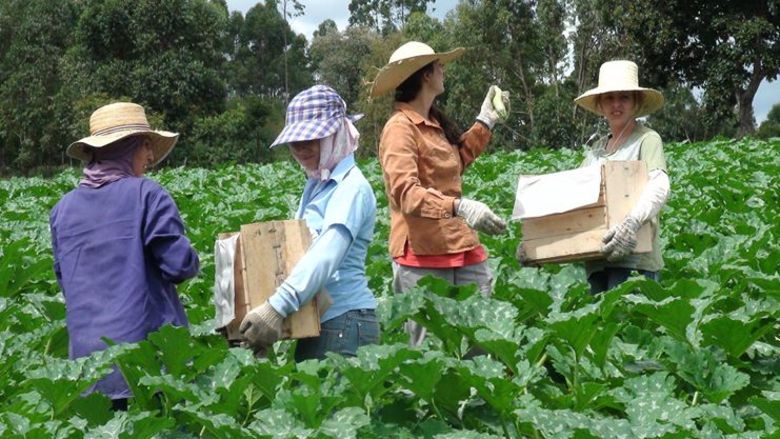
{"x": 620, "y": 240}
{"x": 261, "y": 327}
{"x": 478, "y": 216}
{"x": 489, "y": 114}
{"x": 653, "y": 197}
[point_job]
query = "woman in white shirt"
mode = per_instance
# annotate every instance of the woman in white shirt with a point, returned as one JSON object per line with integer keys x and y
{"x": 620, "y": 100}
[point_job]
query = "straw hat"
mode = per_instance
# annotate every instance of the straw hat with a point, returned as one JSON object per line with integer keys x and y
{"x": 621, "y": 76}
{"x": 406, "y": 60}
{"x": 117, "y": 121}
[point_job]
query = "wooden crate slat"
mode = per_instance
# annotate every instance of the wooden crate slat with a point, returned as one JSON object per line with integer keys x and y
{"x": 567, "y": 223}
{"x": 565, "y": 246}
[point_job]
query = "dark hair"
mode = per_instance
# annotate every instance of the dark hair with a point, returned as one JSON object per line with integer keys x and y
{"x": 408, "y": 90}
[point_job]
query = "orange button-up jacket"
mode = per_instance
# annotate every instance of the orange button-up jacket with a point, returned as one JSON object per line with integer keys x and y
{"x": 422, "y": 173}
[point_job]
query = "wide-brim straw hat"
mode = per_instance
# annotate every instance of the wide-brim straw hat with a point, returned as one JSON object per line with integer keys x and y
{"x": 117, "y": 121}
{"x": 621, "y": 75}
{"x": 406, "y": 60}
{"x": 312, "y": 114}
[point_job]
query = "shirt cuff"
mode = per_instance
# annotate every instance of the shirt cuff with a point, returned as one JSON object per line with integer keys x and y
{"x": 484, "y": 123}
{"x": 284, "y": 300}
{"x": 450, "y": 205}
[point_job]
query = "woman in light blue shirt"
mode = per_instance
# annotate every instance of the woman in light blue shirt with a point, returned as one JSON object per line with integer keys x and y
{"x": 339, "y": 207}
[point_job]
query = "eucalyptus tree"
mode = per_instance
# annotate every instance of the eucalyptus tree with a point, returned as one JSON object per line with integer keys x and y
{"x": 264, "y": 45}
{"x": 339, "y": 58}
{"x": 384, "y": 16}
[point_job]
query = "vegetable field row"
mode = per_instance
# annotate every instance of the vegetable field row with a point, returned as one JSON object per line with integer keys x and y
{"x": 697, "y": 355}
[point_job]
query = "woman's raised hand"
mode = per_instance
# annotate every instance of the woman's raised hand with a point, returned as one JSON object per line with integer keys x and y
{"x": 495, "y": 107}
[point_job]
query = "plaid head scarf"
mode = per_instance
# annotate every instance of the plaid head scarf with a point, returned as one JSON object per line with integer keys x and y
{"x": 314, "y": 113}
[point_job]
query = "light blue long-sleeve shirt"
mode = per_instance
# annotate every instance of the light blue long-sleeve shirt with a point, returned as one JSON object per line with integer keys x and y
{"x": 341, "y": 212}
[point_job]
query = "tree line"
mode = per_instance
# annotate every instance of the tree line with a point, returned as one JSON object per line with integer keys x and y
{"x": 223, "y": 79}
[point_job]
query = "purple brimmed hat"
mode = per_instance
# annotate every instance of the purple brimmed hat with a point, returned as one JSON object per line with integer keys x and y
{"x": 314, "y": 113}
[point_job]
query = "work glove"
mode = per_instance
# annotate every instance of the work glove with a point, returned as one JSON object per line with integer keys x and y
{"x": 261, "y": 327}
{"x": 522, "y": 258}
{"x": 478, "y": 216}
{"x": 620, "y": 240}
{"x": 489, "y": 114}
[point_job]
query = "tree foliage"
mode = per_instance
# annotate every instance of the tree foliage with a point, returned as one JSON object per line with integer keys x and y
{"x": 164, "y": 54}
{"x": 680, "y": 117}
{"x": 262, "y": 39}
{"x": 726, "y": 47}
{"x": 35, "y": 36}
{"x": 223, "y": 79}
{"x": 771, "y": 126}
{"x": 384, "y": 16}
{"x": 337, "y": 57}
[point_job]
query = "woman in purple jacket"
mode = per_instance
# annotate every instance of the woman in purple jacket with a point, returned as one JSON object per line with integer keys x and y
{"x": 118, "y": 241}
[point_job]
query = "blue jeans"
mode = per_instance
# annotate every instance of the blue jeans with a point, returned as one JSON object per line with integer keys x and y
{"x": 611, "y": 277}
{"x": 342, "y": 335}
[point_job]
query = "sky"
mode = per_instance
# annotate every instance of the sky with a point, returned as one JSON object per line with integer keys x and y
{"x": 317, "y": 11}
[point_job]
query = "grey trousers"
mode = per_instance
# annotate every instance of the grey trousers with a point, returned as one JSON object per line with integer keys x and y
{"x": 406, "y": 278}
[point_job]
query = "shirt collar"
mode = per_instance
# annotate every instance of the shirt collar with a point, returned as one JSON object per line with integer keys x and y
{"x": 342, "y": 168}
{"x": 414, "y": 116}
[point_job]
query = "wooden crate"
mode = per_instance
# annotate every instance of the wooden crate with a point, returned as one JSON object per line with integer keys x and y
{"x": 265, "y": 255}
{"x": 576, "y": 235}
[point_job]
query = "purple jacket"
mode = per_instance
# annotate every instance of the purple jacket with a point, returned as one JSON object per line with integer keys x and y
{"x": 118, "y": 251}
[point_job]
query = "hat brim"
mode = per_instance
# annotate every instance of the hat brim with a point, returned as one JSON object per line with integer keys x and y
{"x": 162, "y": 143}
{"x": 652, "y": 99}
{"x": 395, "y": 73}
{"x": 310, "y": 130}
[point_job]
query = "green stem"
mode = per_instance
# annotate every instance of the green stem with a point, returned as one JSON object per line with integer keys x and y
{"x": 249, "y": 408}
{"x": 436, "y": 409}
{"x": 503, "y": 427}
{"x": 695, "y": 397}
{"x": 576, "y": 374}
{"x": 541, "y": 361}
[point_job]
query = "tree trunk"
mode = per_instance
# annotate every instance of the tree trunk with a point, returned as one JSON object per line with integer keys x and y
{"x": 745, "y": 101}
{"x": 580, "y": 76}
{"x": 284, "y": 35}
{"x": 527, "y": 92}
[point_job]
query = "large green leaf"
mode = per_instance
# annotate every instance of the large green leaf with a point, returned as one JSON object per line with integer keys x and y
{"x": 576, "y": 329}
{"x": 345, "y": 423}
{"x": 735, "y": 336}
{"x": 651, "y": 406}
{"x": 770, "y": 407}
{"x": 423, "y": 374}
{"x": 371, "y": 371}
{"x": 673, "y": 314}
{"x": 705, "y": 371}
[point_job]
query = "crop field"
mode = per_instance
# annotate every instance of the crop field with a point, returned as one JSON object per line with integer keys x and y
{"x": 696, "y": 355}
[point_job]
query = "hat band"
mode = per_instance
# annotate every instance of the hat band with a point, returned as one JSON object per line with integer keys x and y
{"x": 118, "y": 128}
